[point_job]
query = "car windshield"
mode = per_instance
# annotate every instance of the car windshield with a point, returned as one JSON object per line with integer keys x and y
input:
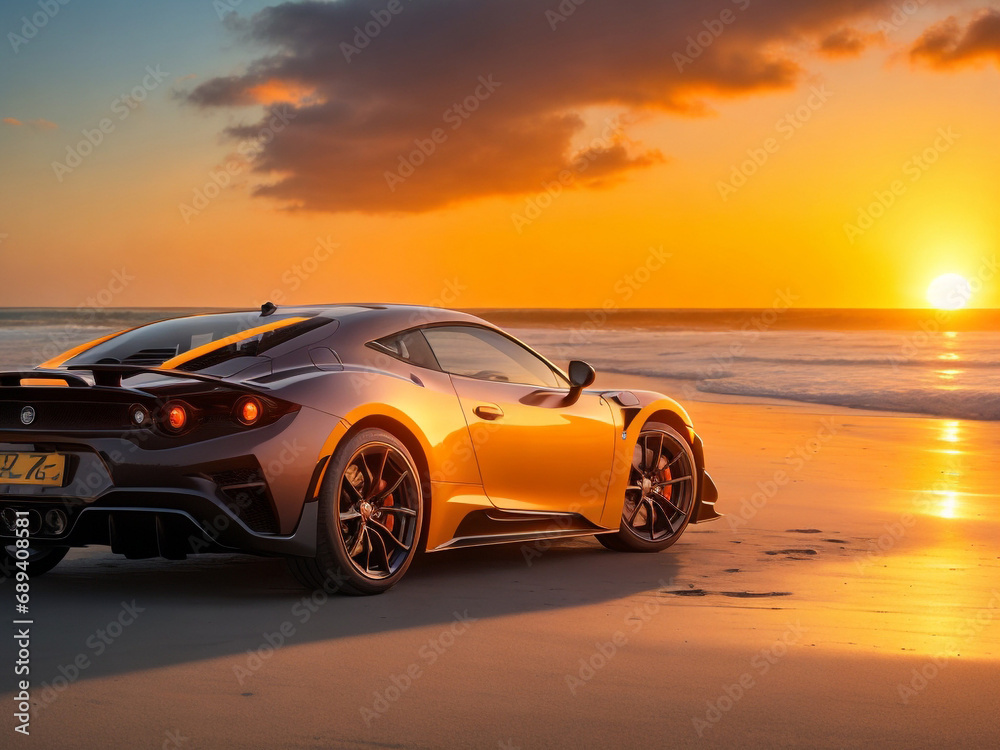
{"x": 194, "y": 343}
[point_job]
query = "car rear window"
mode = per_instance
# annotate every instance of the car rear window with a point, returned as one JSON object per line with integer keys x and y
{"x": 194, "y": 343}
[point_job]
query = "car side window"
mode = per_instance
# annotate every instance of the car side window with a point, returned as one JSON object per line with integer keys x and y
{"x": 481, "y": 353}
{"x": 409, "y": 346}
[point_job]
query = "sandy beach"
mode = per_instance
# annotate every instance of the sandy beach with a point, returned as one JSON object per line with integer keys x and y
{"x": 266, "y": 270}
{"x": 848, "y": 599}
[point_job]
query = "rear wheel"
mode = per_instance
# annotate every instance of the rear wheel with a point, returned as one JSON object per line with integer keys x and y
{"x": 369, "y": 517}
{"x": 39, "y": 560}
{"x": 660, "y": 494}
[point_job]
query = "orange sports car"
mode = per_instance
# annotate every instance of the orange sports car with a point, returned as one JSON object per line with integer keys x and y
{"x": 341, "y": 437}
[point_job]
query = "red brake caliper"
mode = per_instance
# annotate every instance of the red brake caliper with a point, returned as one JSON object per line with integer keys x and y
{"x": 388, "y": 520}
{"x": 662, "y": 466}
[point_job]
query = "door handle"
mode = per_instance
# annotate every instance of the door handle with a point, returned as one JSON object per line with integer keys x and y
{"x": 488, "y": 411}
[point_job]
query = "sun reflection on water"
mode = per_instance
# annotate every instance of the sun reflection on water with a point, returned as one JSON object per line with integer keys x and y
{"x": 950, "y": 431}
{"x": 948, "y": 504}
{"x": 942, "y": 498}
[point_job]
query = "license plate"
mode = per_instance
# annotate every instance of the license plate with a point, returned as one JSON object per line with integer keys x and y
{"x": 40, "y": 469}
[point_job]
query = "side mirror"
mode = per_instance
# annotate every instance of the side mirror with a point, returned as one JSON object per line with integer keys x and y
{"x": 581, "y": 375}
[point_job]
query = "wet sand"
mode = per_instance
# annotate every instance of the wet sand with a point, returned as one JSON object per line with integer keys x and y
{"x": 849, "y": 599}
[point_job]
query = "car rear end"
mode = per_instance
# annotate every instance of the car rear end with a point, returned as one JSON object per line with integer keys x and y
{"x": 154, "y": 463}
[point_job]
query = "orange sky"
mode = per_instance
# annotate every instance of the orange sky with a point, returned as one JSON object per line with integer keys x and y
{"x": 910, "y": 117}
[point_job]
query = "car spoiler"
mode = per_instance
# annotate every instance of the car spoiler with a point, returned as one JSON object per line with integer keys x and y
{"x": 107, "y": 376}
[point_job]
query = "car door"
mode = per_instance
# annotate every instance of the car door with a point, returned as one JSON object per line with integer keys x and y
{"x": 537, "y": 449}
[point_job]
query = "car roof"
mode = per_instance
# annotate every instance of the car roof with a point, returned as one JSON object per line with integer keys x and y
{"x": 374, "y": 319}
{"x": 360, "y": 322}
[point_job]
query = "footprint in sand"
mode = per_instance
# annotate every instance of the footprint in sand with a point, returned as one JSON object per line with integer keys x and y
{"x": 755, "y": 594}
{"x": 791, "y": 552}
{"x": 736, "y": 594}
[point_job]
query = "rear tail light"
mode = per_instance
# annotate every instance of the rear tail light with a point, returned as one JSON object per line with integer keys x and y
{"x": 211, "y": 415}
{"x": 175, "y": 416}
{"x": 249, "y": 410}
{"x": 139, "y": 415}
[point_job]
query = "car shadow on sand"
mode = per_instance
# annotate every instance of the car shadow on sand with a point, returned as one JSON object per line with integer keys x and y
{"x": 126, "y": 615}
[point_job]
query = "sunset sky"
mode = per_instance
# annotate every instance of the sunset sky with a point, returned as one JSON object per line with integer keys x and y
{"x": 701, "y": 154}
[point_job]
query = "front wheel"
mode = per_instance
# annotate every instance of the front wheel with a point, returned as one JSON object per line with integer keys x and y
{"x": 39, "y": 560}
{"x": 370, "y": 514}
{"x": 660, "y": 494}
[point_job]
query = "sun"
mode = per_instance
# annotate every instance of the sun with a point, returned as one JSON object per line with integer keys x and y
{"x": 949, "y": 292}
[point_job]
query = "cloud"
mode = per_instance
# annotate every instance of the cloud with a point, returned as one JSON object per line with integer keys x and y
{"x": 42, "y": 124}
{"x": 946, "y": 45}
{"x": 847, "y": 42}
{"x": 388, "y": 111}
{"x": 39, "y": 125}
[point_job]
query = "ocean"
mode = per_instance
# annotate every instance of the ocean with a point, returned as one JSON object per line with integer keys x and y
{"x": 918, "y": 361}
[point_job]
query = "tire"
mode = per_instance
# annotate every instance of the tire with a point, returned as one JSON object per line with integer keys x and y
{"x": 370, "y": 515}
{"x": 40, "y": 561}
{"x": 660, "y": 495}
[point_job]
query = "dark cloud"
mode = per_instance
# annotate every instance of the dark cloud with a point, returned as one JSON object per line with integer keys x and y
{"x": 450, "y": 100}
{"x": 947, "y": 45}
{"x": 846, "y": 42}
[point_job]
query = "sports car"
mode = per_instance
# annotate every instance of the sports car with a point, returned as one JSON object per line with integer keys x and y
{"x": 342, "y": 437}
